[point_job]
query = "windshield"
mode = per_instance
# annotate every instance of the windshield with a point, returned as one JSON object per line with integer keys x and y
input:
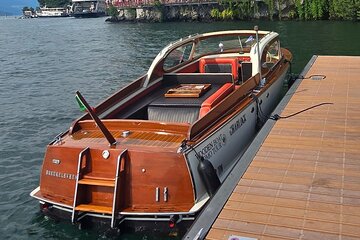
{"x": 237, "y": 43}
{"x": 209, "y": 45}
{"x": 178, "y": 56}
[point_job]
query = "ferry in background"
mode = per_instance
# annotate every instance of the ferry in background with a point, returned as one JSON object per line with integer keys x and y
{"x": 52, "y": 12}
{"x": 88, "y": 8}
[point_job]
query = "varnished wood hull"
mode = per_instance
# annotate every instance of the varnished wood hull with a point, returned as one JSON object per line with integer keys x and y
{"x": 152, "y": 173}
{"x": 187, "y": 194}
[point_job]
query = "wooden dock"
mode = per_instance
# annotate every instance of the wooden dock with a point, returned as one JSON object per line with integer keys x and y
{"x": 300, "y": 178}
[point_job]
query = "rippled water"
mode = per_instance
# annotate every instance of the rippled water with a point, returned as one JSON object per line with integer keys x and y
{"x": 44, "y": 61}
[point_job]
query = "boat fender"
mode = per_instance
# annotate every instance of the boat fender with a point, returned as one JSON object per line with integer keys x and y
{"x": 208, "y": 176}
{"x": 174, "y": 219}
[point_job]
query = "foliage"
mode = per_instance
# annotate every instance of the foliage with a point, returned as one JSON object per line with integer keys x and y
{"x": 215, "y": 13}
{"x": 312, "y": 9}
{"x": 271, "y": 8}
{"x": 357, "y": 9}
{"x": 158, "y": 5}
{"x": 28, "y": 9}
{"x": 245, "y": 9}
{"x": 112, "y": 11}
{"x": 234, "y": 9}
{"x": 344, "y": 9}
{"x": 54, "y": 3}
{"x": 299, "y": 9}
{"x": 304, "y": 9}
{"x": 131, "y": 12}
{"x": 228, "y": 14}
{"x": 279, "y": 3}
{"x": 292, "y": 14}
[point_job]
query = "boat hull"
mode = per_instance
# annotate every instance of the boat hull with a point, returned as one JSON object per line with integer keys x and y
{"x": 44, "y": 16}
{"x": 166, "y": 142}
{"x": 89, "y": 14}
{"x": 161, "y": 225}
{"x": 222, "y": 148}
{"x": 229, "y": 142}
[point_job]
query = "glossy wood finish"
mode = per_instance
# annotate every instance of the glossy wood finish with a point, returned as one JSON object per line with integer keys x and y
{"x": 188, "y": 90}
{"x": 110, "y": 102}
{"x": 304, "y": 181}
{"x": 141, "y": 176}
{"x": 97, "y": 182}
{"x": 93, "y": 208}
{"x": 144, "y": 170}
{"x": 154, "y": 176}
{"x": 141, "y": 133}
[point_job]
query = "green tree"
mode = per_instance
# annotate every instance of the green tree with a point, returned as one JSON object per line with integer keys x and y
{"x": 270, "y": 5}
{"x": 279, "y": 3}
{"x": 344, "y": 9}
{"x": 299, "y": 9}
{"x": 112, "y": 11}
{"x": 245, "y": 9}
{"x": 235, "y": 9}
{"x": 28, "y": 9}
{"x": 54, "y": 3}
{"x": 312, "y": 9}
{"x": 215, "y": 13}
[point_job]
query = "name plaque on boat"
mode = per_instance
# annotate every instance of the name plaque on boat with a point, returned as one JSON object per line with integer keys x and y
{"x": 60, "y": 174}
{"x": 188, "y": 90}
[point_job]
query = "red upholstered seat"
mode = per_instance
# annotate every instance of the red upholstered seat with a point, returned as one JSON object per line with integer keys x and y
{"x": 221, "y": 64}
{"x": 214, "y": 99}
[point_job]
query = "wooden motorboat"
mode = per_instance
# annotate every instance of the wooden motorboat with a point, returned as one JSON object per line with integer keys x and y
{"x": 158, "y": 149}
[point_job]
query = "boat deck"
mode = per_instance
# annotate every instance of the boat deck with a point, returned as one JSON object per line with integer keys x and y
{"x": 300, "y": 178}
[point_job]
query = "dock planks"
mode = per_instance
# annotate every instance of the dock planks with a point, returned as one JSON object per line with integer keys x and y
{"x": 304, "y": 179}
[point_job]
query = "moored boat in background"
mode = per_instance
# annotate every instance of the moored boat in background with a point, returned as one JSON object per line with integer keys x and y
{"x": 88, "y": 8}
{"x": 156, "y": 151}
{"x": 52, "y": 12}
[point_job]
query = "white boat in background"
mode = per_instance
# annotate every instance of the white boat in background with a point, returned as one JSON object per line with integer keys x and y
{"x": 52, "y": 12}
{"x": 88, "y": 8}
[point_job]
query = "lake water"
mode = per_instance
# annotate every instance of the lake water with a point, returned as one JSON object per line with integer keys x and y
{"x": 44, "y": 61}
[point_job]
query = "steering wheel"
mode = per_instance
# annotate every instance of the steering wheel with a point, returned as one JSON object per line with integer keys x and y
{"x": 269, "y": 57}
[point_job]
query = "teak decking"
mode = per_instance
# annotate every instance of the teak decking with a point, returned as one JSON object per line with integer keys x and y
{"x": 304, "y": 181}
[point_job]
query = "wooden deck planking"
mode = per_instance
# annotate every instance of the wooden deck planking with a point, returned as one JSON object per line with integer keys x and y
{"x": 304, "y": 182}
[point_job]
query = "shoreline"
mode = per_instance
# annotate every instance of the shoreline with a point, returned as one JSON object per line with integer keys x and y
{"x": 230, "y": 11}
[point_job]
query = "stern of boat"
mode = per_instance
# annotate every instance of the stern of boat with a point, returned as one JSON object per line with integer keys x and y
{"x": 135, "y": 179}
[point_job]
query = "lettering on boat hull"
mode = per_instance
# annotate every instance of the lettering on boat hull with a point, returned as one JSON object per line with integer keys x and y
{"x": 237, "y": 125}
{"x": 213, "y": 147}
{"x": 60, "y": 174}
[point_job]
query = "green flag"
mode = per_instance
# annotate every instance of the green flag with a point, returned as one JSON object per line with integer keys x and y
{"x": 81, "y": 105}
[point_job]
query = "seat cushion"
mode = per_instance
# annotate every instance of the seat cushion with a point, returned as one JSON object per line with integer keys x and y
{"x": 219, "y": 65}
{"x": 173, "y": 114}
{"x": 215, "y": 98}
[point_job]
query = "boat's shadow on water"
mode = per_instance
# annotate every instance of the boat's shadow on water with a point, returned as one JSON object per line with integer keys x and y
{"x": 45, "y": 227}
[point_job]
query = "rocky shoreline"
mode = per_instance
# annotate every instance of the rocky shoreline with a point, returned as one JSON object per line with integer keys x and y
{"x": 186, "y": 13}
